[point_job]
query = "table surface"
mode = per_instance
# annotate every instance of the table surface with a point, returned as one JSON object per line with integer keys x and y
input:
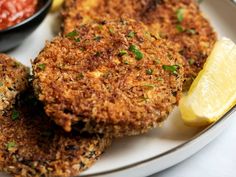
{"x": 218, "y": 159}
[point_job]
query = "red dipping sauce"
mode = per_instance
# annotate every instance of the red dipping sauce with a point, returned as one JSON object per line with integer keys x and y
{"x": 15, "y": 11}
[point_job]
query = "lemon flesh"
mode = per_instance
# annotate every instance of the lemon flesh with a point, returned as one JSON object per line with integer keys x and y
{"x": 56, "y": 4}
{"x": 213, "y": 92}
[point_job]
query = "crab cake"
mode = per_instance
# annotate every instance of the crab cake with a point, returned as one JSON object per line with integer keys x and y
{"x": 109, "y": 77}
{"x": 32, "y": 145}
{"x": 180, "y": 21}
{"x": 13, "y": 80}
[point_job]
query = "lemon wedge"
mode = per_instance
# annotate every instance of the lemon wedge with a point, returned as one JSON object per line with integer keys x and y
{"x": 56, "y": 4}
{"x": 213, "y": 92}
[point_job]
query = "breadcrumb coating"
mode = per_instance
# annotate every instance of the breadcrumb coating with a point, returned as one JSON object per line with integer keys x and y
{"x": 13, "y": 80}
{"x": 109, "y": 77}
{"x": 180, "y": 21}
{"x": 33, "y": 146}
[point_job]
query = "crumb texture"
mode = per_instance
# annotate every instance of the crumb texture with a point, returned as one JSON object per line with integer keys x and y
{"x": 110, "y": 76}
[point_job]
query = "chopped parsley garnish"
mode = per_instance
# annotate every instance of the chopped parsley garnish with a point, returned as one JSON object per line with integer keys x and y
{"x": 149, "y": 86}
{"x": 144, "y": 98}
{"x": 180, "y": 15}
{"x": 159, "y": 79}
{"x": 100, "y": 27}
{"x": 80, "y": 76}
{"x": 1, "y": 84}
{"x": 97, "y": 54}
{"x": 131, "y": 34}
{"x": 15, "y": 115}
{"x": 97, "y": 38}
{"x": 72, "y": 34}
{"x": 111, "y": 30}
{"x": 191, "y": 31}
{"x": 126, "y": 62}
{"x": 77, "y": 39}
{"x": 82, "y": 49}
{"x": 122, "y": 52}
{"x": 41, "y": 66}
{"x": 191, "y": 61}
{"x": 172, "y": 68}
{"x": 136, "y": 52}
{"x": 16, "y": 64}
{"x": 10, "y": 145}
{"x": 180, "y": 28}
{"x": 149, "y": 71}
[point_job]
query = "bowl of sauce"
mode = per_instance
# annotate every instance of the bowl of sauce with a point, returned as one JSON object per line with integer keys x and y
{"x": 18, "y": 19}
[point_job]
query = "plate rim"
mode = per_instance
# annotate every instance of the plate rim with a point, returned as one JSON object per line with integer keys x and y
{"x": 191, "y": 140}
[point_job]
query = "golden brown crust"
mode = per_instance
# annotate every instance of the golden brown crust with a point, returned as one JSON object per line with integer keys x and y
{"x": 32, "y": 146}
{"x": 90, "y": 81}
{"x": 13, "y": 80}
{"x": 196, "y": 40}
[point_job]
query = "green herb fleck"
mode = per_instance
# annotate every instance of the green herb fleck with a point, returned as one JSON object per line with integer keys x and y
{"x": 147, "y": 33}
{"x": 82, "y": 49}
{"x": 1, "y": 84}
{"x": 180, "y": 14}
{"x": 16, "y": 64}
{"x": 136, "y": 52}
{"x": 144, "y": 98}
{"x": 80, "y": 76}
{"x": 149, "y": 71}
{"x": 122, "y": 52}
{"x": 97, "y": 54}
{"x": 191, "y": 61}
{"x": 72, "y": 34}
{"x": 126, "y": 62}
{"x": 111, "y": 30}
{"x": 151, "y": 86}
{"x": 10, "y": 145}
{"x": 159, "y": 79}
{"x": 15, "y": 115}
{"x": 97, "y": 38}
{"x": 180, "y": 28}
{"x": 77, "y": 39}
{"x": 131, "y": 34}
{"x": 41, "y": 66}
{"x": 172, "y": 68}
{"x": 100, "y": 27}
{"x": 191, "y": 31}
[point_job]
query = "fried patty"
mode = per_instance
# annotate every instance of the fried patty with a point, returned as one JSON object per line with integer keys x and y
{"x": 13, "y": 80}
{"x": 32, "y": 145}
{"x": 180, "y": 21}
{"x": 109, "y": 77}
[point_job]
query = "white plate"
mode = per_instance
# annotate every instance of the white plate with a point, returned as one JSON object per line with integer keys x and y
{"x": 162, "y": 147}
